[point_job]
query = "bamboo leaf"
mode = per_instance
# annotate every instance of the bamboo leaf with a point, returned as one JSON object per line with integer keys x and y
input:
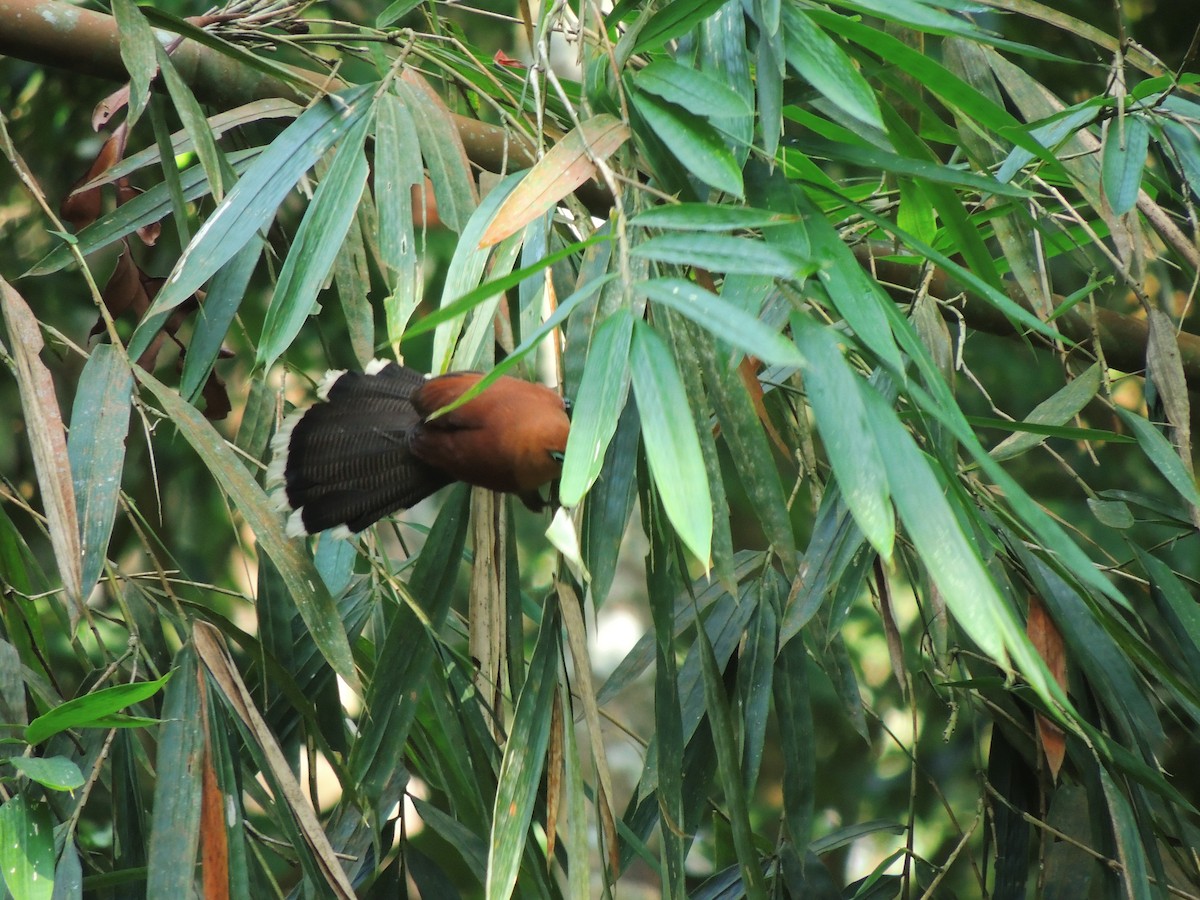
{"x": 55, "y": 772}
{"x": 47, "y": 441}
{"x": 723, "y": 320}
{"x": 175, "y": 819}
{"x": 566, "y": 166}
{"x": 312, "y": 599}
{"x": 27, "y": 849}
{"x": 252, "y": 203}
{"x": 846, "y": 426}
{"x": 823, "y": 64}
{"x": 697, "y": 92}
{"x": 723, "y": 253}
{"x": 315, "y": 246}
{"x": 597, "y": 407}
{"x": 669, "y": 436}
{"x": 96, "y": 447}
{"x": 1053, "y": 411}
{"x": 91, "y": 710}
{"x": 524, "y": 758}
{"x": 693, "y": 141}
{"x": 1123, "y": 159}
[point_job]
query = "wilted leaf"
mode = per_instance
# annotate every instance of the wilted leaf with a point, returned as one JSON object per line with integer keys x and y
{"x": 47, "y": 441}
{"x": 566, "y": 166}
{"x": 1048, "y": 642}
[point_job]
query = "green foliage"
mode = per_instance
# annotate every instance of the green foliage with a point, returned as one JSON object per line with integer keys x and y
{"x": 876, "y": 319}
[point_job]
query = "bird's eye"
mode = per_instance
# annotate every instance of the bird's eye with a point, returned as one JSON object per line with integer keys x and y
{"x": 568, "y": 405}
{"x": 557, "y": 455}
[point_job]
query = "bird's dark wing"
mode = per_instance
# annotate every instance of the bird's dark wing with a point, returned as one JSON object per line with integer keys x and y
{"x": 347, "y": 461}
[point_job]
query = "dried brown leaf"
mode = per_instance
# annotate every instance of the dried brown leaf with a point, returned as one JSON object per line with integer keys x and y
{"x": 82, "y": 207}
{"x": 47, "y": 442}
{"x": 1048, "y": 641}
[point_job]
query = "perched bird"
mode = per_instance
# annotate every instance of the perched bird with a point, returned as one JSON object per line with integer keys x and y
{"x": 372, "y": 448}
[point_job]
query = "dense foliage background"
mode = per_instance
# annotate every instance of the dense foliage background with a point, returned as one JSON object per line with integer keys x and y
{"x": 877, "y": 569}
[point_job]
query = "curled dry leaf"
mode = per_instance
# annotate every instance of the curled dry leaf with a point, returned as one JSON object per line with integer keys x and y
{"x": 82, "y": 207}
{"x": 110, "y": 106}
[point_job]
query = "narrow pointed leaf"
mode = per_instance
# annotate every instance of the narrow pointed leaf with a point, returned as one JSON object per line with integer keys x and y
{"x": 27, "y": 849}
{"x": 723, "y": 320}
{"x": 696, "y": 91}
{"x": 597, "y": 406}
{"x": 96, "y": 446}
{"x": 524, "y": 758}
{"x": 1123, "y": 161}
{"x": 669, "y": 436}
{"x": 566, "y": 166}
{"x": 693, "y": 141}
{"x": 315, "y": 245}
{"x": 308, "y": 590}
{"x": 252, "y": 203}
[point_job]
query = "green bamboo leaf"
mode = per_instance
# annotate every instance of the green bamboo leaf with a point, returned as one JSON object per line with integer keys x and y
{"x": 315, "y": 246}
{"x": 138, "y": 48}
{"x": 793, "y": 709}
{"x": 253, "y": 201}
{"x": 723, "y": 320}
{"x": 216, "y": 314}
{"x": 697, "y": 92}
{"x": 707, "y": 217}
{"x": 673, "y": 20}
{"x": 1053, "y": 411}
{"x": 397, "y": 169}
{"x": 1124, "y": 158}
{"x": 610, "y": 503}
{"x": 746, "y": 439}
{"x": 175, "y": 816}
{"x": 949, "y": 556}
{"x": 442, "y": 149}
{"x": 687, "y": 361}
{"x": 597, "y": 407}
{"x": 909, "y": 166}
{"x": 144, "y": 209}
{"x": 524, "y": 758}
{"x": 27, "y": 849}
{"x": 729, "y": 769}
{"x": 669, "y": 436}
{"x": 693, "y": 141}
{"x": 312, "y": 599}
{"x": 406, "y": 651}
{"x": 819, "y": 60}
{"x": 90, "y": 710}
{"x": 195, "y": 123}
{"x": 55, "y": 772}
{"x": 724, "y": 253}
{"x": 96, "y": 447}
{"x": 1135, "y": 874}
{"x": 756, "y": 674}
{"x": 846, "y": 427}
{"x": 1162, "y": 454}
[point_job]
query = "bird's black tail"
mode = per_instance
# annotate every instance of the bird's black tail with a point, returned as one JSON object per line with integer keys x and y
{"x": 346, "y": 462}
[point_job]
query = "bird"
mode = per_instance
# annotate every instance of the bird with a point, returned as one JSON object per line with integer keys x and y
{"x": 374, "y": 445}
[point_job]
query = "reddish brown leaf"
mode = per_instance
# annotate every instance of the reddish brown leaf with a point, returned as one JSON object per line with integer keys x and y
{"x": 82, "y": 208}
{"x": 1048, "y": 642}
{"x": 214, "y": 838}
{"x": 110, "y": 106}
